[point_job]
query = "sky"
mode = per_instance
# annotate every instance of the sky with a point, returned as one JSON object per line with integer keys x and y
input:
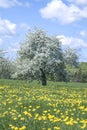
{"x": 67, "y": 19}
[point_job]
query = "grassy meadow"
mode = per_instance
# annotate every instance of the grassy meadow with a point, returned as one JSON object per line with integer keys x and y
{"x": 29, "y": 106}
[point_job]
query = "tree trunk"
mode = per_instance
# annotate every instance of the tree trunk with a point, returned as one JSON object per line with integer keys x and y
{"x": 43, "y": 77}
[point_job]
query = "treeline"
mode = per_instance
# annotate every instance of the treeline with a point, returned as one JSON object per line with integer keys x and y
{"x": 75, "y": 74}
{"x": 41, "y": 57}
{"x": 78, "y": 74}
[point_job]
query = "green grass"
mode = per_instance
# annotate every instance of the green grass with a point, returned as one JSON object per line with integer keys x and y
{"x": 28, "y": 105}
{"x": 37, "y": 83}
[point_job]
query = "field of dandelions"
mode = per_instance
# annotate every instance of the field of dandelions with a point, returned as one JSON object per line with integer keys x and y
{"x": 29, "y": 107}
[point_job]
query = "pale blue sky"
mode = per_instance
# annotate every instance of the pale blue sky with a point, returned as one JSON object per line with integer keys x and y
{"x": 65, "y": 18}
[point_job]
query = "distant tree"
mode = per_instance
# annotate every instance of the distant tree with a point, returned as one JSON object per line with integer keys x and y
{"x": 80, "y": 74}
{"x": 83, "y": 68}
{"x": 1, "y": 54}
{"x": 72, "y": 64}
{"x": 1, "y": 62}
{"x": 71, "y": 57}
{"x": 41, "y": 57}
{"x": 6, "y": 66}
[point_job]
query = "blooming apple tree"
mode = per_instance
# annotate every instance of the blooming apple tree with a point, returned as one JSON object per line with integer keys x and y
{"x": 41, "y": 57}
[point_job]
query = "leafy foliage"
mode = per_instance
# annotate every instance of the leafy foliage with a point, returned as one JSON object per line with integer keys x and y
{"x": 83, "y": 71}
{"x": 78, "y": 74}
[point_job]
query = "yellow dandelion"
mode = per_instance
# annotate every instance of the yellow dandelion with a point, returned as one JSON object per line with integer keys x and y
{"x": 84, "y": 126}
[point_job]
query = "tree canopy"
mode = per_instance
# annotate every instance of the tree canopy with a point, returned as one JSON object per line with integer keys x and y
{"x": 41, "y": 57}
